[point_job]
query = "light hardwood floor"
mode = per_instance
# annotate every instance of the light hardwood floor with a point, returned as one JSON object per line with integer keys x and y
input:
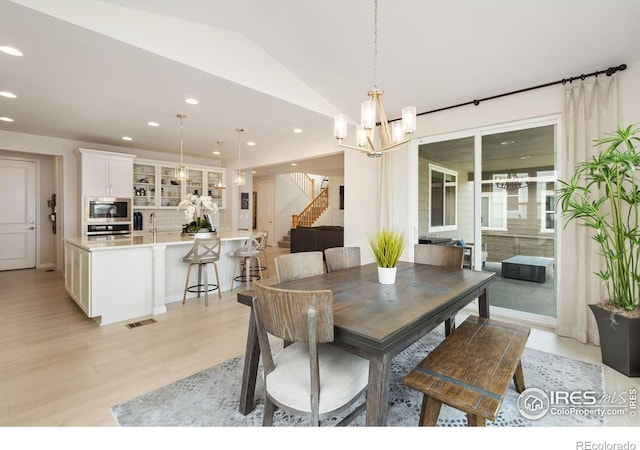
{"x": 59, "y": 368}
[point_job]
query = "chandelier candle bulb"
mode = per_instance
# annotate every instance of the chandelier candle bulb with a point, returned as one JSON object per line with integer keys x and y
{"x": 368, "y": 114}
{"x": 340, "y": 126}
{"x": 397, "y": 132}
{"x": 361, "y": 136}
{"x": 408, "y": 119}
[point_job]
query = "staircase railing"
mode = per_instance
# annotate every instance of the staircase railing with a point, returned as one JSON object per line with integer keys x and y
{"x": 306, "y": 183}
{"x": 313, "y": 210}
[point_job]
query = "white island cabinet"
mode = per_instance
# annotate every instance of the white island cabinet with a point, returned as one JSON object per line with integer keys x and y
{"x": 120, "y": 278}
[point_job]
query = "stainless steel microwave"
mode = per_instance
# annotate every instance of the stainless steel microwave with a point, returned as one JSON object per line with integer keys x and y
{"x": 107, "y": 210}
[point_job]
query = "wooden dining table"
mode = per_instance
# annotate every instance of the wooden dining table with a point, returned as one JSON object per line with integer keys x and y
{"x": 378, "y": 321}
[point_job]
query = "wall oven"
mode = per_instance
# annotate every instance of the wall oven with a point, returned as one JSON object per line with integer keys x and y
{"x": 107, "y": 215}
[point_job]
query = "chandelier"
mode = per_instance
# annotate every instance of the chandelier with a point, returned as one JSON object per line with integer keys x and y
{"x": 240, "y": 178}
{"x": 182, "y": 173}
{"x": 511, "y": 182}
{"x": 219, "y": 185}
{"x": 391, "y": 134}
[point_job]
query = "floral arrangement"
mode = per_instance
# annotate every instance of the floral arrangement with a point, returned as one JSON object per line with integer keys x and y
{"x": 195, "y": 208}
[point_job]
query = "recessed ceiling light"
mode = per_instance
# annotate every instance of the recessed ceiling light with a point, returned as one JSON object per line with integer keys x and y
{"x": 507, "y": 142}
{"x": 525, "y": 157}
{"x": 253, "y": 171}
{"x": 297, "y": 130}
{"x": 127, "y": 138}
{"x": 6, "y": 119}
{"x": 251, "y": 143}
{"x": 153, "y": 124}
{"x": 10, "y": 50}
{"x": 216, "y": 152}
{"x": 8, "y": 94}
{"x": 191, "y": 101}
{"x": 293, "y": 164}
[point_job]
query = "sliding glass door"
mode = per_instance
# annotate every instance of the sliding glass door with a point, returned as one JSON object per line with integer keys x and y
{"x": 493, "y": 193}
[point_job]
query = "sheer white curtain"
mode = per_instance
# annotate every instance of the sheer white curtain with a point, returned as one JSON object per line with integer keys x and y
{"x": 590, "y": 110}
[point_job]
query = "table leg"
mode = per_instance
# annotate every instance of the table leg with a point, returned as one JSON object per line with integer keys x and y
{"x": 250, "y": 371}
{"x": 378, "y": 390}
{"x": 483, "y": 304}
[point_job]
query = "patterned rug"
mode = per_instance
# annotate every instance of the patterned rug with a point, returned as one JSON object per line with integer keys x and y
{"x": 210, "y": 398}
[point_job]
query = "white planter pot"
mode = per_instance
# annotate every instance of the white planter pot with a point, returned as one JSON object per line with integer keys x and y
{"x": 387, "y": 275}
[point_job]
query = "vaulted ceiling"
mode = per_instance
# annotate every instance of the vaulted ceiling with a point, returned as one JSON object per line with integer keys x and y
{"x": 96, "y": 71}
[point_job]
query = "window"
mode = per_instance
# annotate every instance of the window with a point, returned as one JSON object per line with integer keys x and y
{"x": 548, "y": 212}
{"x": 443, "y": 186}
{"x": 494, "y": 210}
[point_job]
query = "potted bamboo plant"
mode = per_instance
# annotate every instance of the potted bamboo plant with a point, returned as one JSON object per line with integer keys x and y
{"x": 604, "y": 195}
{"x": 387, "y": 246}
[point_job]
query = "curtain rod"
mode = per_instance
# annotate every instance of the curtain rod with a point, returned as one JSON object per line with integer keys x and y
{"x": 610, "y": 71}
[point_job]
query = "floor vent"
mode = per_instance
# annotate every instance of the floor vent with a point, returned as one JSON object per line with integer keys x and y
{"x": 141, "y": 323}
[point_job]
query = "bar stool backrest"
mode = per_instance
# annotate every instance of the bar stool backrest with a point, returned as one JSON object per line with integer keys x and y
{"x": 204, "y": 250}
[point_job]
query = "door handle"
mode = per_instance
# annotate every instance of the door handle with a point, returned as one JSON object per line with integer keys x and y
{"x": 32, "y": 228}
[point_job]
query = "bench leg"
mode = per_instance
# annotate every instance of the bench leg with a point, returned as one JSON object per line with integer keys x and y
{"x": 449, "y": 325}
{"x": 518, "y": 378}
{"x": 429, "y": 412}
{"x": 475, "y": 421}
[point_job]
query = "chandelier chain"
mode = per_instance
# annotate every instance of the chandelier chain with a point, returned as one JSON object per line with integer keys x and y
{"x": 375, "y": 44}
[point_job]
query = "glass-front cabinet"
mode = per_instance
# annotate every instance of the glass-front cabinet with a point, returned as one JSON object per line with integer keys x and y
{"x": 144, "y": 184}
{"x": 170, "y": 188}
{"x": 195, "y": 182}
{"x": 155, "y": 185}
{"x": 214, "y": 180}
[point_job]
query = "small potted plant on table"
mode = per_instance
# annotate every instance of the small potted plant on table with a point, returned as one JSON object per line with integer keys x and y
{"x": 387, "y": 246}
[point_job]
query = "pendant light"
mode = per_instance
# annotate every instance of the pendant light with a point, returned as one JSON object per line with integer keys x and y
{"x": 219, "y": 185}
{"x": 182, "y": 172}
{"x": 240, "y": 178}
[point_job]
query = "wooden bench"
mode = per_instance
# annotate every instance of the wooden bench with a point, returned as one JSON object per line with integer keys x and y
{"x": 471, "y": 370}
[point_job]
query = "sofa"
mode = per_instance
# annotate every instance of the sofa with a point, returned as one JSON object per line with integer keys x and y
{"x": 309, "y": 239}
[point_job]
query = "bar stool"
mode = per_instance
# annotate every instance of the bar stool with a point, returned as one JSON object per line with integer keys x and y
{"x": 249, "y": 251}
{"x": 205, "y": 250}
{"x": 263, "y": 252}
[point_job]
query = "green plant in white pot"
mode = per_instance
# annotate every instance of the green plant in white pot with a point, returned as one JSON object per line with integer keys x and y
{"x": 604, "y": 194}
{"x": 387, "y": 247}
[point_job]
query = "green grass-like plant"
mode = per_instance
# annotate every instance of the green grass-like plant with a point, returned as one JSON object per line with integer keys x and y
{"x": 387, "y": 246}
{"x": 603, "y": 194}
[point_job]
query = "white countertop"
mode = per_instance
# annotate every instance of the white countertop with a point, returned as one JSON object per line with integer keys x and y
{"x": 147, "y": 239}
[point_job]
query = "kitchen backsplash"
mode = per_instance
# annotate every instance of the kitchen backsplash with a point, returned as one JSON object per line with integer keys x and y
{"x": 172, "y": 220}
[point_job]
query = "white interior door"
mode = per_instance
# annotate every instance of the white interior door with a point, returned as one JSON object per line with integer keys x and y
{"x": 265, "y": 215}
{"x": 17, "y": 214}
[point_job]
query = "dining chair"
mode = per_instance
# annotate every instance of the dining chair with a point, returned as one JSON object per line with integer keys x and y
{"x": 440, "y": 255}
{"x": 339, "y": 258}
{"x": 309, "y": 378}
{"x": 205, "y": 250}
{"x": 293, "y": 266}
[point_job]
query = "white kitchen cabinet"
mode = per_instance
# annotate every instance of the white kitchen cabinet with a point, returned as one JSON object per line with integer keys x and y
{"x": 144, "y": 184}
{"x": 170, "y": 189}
{"x": 106, "y": 174}
{"x": 76, "y": 276}
{"x": 155, "y": 185}
{"x": 195, "y": 183}
{"x": 213, "y": 177}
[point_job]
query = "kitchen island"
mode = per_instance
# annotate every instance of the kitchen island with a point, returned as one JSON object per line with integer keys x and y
{"x": 117, "y": 278}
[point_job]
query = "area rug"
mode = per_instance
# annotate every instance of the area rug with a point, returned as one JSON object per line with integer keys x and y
{"x": 211, "y": 398}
